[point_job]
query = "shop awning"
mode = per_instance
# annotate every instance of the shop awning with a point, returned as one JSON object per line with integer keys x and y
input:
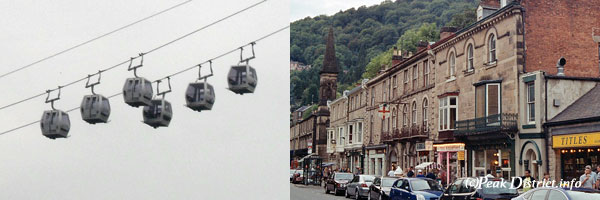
{"x": 424, "y": 165}
{"x": 312, "y": 154}
{"x": 327, "y": 164}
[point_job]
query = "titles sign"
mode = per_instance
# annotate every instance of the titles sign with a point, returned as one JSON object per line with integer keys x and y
{"x": 576, "y": 140}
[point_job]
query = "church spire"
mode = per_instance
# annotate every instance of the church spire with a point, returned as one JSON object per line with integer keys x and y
{"x": 330, "y": 62}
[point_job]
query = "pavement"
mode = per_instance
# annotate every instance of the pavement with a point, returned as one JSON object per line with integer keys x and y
{"x": 311, "y": 192}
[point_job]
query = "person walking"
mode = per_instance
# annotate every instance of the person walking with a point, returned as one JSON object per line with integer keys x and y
{"x": 410, "y": 172}
{"x": 597, "y": 177}
{"x": 420, "y": 174}
{"x": 588, "y": 179}
{"x": 527, "y": 181}
{"x": 391, "y": 172}
{"x": 431, "y": 174}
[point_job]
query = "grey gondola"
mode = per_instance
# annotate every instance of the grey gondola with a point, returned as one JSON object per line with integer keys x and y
{"x": 137, "y": 92}
{"x": 242, "y": 79}
{"x": 55, "y": 124}
{"x": 159, "y": 113}
{"x": 95, "y": 109}
{"x": 200, "y": 96}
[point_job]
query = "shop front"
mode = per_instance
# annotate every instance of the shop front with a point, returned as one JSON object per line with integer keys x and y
{"x": 575, "y": 151}
{"x": 423, "y": 151}
{"x": 496, "y": 159}
{"x": 451, "y": 157}
{"x": 354, "y": 159}
{"x": 375, "y": 160}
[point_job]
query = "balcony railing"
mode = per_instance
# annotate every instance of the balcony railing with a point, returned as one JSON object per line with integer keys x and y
{"x": 386, "y": 137}
{"x": 504, "y": 122}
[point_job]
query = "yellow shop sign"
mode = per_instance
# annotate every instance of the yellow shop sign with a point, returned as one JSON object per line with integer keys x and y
{"x": 576, "y": 140}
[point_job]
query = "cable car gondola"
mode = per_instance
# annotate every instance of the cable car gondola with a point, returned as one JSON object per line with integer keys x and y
{"x": 55, "y": 123}
{"x": 200, "y": 95}
{"x": 160, "y": 112}
{"x": 137, "y": 91}
{"x": 242, "y": 77}
{"x": 95, "y": 108}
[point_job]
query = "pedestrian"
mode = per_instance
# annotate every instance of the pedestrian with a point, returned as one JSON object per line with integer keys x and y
{"x": 527, "y": 181}
{"x": 420, "y": 174}
{"x": 588, "y": 179}
{"x": 598, "y": 177}
{"x": 431, "y": 174}
{"x": 391, "y": 172}
{"x": 546, "y": 177}
{"x": 410, "y": 172}
{"x": 444, "y": 177}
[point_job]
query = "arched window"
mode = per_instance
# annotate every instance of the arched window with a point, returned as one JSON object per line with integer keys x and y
{"x": 452, "y": 65}
{"x": 405, "y": 116}
{"x": 470, "y": 57}
{"x": 414, "y": 113}
{"x": 492, "y": 48}
{"x": 425, "y": 104}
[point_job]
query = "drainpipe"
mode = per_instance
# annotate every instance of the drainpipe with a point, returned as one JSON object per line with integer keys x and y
{"x": 524, "y": 44}
{"x": 545, "y": 129}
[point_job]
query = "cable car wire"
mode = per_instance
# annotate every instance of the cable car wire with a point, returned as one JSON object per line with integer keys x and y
{"x": 91, "y": 40}
{"x": 127, "y": 61}
{"x": 174, "y": 74}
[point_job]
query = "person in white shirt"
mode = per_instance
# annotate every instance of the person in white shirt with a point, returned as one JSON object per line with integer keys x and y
{"x": 391, "y": 172}
{"x": 588, "y": 179}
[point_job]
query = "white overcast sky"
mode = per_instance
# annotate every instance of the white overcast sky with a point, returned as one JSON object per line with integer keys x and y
{"x": 303, "y": 8}
{"x": 239, "y": 149}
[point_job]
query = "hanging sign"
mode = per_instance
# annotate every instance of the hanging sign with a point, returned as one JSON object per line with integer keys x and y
{"x": 384, "y": 111}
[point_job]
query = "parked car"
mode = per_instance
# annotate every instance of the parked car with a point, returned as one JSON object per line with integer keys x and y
{"x": 337, "y": 182}
{"x": 416, "y": 188}
{"x": 552, "y": 193}
{"x": 359, "y": 186}
{"x": 466, "y": 189}
{"x": 381, "y": 187}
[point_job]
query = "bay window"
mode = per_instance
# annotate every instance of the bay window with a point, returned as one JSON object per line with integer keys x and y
{"x": 487, "y": 100}
{"x": 448, "y": 112}
{"x": 359, "y": 132}
{"x": 530, "y": 102}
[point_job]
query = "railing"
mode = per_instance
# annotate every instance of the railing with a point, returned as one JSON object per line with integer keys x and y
{"x": 386, "y": 137}
{"x": 504, "y": 122}
{"x": 396, "y": 134}
{"x": 414, "y": 131}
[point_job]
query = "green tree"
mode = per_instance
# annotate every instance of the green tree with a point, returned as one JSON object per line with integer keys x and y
{"x": 463, "y": 19}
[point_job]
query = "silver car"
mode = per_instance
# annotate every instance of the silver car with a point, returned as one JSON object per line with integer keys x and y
{"x": 552, "y": 193}
{"x": 359, "y": 186}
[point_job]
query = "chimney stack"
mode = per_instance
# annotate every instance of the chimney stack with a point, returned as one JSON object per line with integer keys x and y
{"x": 447, "y": 31}
{"x": 396, "y": 56}
{"x": 422, "y": 45}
